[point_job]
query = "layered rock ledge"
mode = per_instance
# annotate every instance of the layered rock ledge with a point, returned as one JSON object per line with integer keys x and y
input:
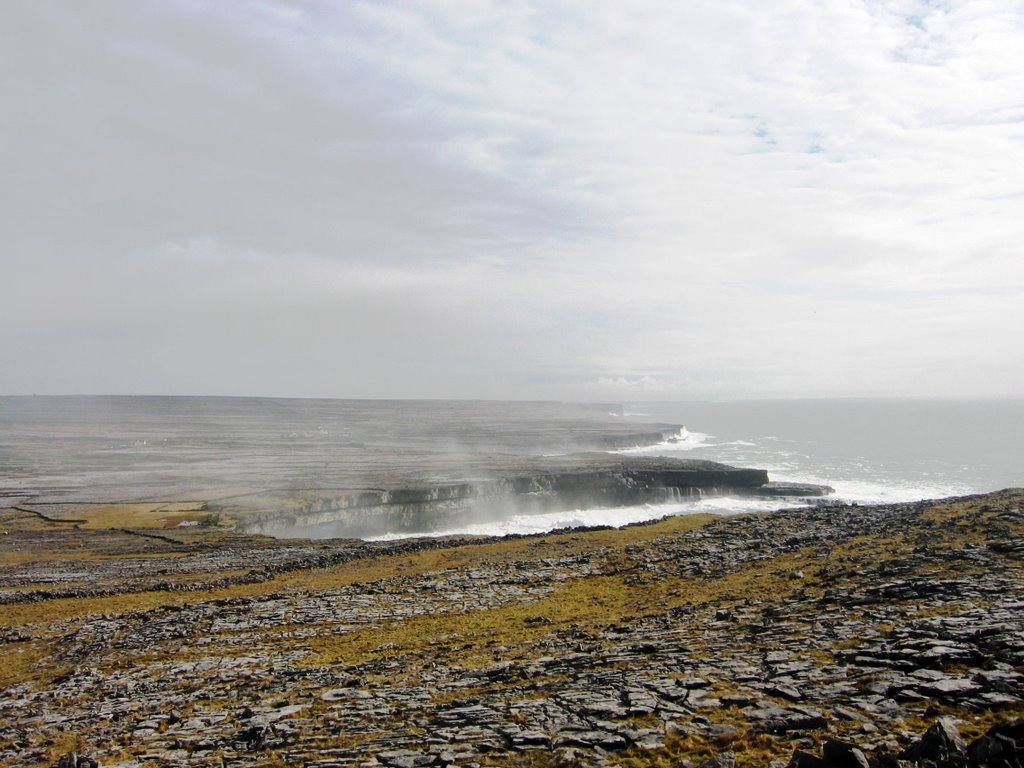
{"x": 532, "y": 487}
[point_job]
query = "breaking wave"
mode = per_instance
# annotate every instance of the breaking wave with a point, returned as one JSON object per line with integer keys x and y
{"x": 524, "y": 524}
{"x": 683, "y": 440}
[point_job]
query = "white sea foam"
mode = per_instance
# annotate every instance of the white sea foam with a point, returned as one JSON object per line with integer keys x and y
{"x": 873, "y": 453}
{"x": 683, "y": 440}
{"x": 615, "y": 517}
{"x": 882, "y": 491}
{"x": 847, "y": 492}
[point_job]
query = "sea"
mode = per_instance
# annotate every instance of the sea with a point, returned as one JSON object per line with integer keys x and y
{"x": 56, "y": 450}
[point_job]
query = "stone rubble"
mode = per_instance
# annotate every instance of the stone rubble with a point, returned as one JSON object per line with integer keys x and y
{"x": 937, "y": 627}
{"x": 941, "y": 746}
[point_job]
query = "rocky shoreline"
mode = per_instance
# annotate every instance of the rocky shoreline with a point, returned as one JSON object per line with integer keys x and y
{"x": 577, "y": 481}
{"x": 836, "y": 635}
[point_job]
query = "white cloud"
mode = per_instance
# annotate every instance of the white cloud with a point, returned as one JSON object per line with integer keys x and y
{"x": 516, "y": 199}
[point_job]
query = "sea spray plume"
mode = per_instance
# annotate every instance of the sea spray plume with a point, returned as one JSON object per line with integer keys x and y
{"x": 532, "y": 487}
{"x": 656, "y": 443}
{"x": 463, "y": 466}
{"x": 221, "y": 448}
{"x": 344, "y": 468}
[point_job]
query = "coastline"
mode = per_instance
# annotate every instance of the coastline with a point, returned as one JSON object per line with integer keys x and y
{"x": 684, "y": 639}
{"x": 134, "y": 449}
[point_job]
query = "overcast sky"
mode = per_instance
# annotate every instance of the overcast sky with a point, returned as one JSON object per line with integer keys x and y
{"x": 584, "y": 200}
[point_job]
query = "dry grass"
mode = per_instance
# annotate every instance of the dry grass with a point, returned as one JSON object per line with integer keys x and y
{"x": 64, "y": 609}
{"x": 582, "y": 602}
{"x": 970, "y": 728}
{"x": 589, "y": 603}
{"x": 161, "y": 515}
{"x": 357, "y": 571}
{"x": 18, "y": 557}
{"x": 471, "y": 555}
{"x": 29, "y": 662}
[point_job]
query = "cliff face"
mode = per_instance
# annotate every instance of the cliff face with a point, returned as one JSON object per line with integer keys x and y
{"x": 572, "y": 483}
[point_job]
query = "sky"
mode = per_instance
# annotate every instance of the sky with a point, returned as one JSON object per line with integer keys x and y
{"x": 525, "y": 200}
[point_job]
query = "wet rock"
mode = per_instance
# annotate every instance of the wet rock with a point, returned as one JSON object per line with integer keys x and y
{"x": 724, "y": 760}
{"x": 840, "y": 754}
{"x": 948, "y": 688}
{"x": 254, "y": 737}
{"x": 845, "y": 714}
{"x": 588, "y": 739}
{"x": 1001, "y": 747}
{"x": 784, "y": 692}
{"x": 74, "y": 760}
{"x": 784, "y": 719}
{"x": 776, "y": 489}
{"x": 941, "y": 745}
{"x": 345, "y": 694}
{"x": 801, "y": 759}
{"x": 526, "y": 739}
{"x": 405, "y": 758}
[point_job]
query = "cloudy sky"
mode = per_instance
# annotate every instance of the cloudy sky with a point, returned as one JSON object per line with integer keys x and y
{"x": 463, "y": 198}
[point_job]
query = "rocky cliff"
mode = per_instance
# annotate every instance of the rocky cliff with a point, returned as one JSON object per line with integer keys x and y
{"x": 543, "y": 485}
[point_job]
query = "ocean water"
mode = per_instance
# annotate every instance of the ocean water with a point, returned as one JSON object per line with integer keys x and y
{"x": 93, "y": 449}
{"x": 869, "y": 451}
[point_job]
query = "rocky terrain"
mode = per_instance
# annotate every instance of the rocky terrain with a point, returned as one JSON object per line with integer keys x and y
{"x": 836, "y": 636}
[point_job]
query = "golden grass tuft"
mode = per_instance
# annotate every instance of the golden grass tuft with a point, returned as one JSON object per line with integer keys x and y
{"x": 29, "y": 662}
{"x": 362, "y": 570}
{"x": 139, "y": 515}
{"x": 586, "y": 602}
